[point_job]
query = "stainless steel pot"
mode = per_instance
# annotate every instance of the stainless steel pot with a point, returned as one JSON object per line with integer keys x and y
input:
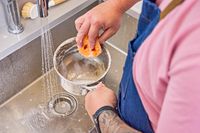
{"x": 77, "y": 74}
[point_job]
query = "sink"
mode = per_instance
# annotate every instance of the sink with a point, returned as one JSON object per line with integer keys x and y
{"x": 22, "y": 108}
{"x": 24, "y": 112}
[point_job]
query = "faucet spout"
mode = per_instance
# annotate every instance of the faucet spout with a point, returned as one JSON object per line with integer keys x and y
{"x": 42, "y": 8}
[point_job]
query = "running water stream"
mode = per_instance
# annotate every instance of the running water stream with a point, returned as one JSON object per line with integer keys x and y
{"x": 40, "y": 118}
{"x": 50, "y": 81}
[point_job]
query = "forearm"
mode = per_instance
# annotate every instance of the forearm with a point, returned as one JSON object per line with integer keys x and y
{"x": 110, "y": 122}
{"x": 123, "y": 5}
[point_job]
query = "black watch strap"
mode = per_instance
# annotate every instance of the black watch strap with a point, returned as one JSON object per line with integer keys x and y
{"x": 97, "y": 114}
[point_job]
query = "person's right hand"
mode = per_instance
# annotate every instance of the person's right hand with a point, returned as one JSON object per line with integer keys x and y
{"x": 101, "y": 96}
{"x": 106, "y": 17}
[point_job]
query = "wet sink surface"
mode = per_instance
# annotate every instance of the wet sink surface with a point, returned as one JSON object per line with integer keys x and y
{"x": 23, "y": 113}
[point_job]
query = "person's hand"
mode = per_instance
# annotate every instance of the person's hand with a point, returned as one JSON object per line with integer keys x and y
{"x": 106, "y": 17}
{"x": 101, "y": 96}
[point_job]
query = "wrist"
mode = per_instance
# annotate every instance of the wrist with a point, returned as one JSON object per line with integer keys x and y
{"x": 105, "y": 112}
{"x": 110, "y": 122}
{"x": 98, "y": 114}
{"x": 115, "y": 5}
{"x": 105, "y": 119}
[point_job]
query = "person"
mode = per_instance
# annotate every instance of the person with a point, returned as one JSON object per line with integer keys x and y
{"x": 160, "y": 87}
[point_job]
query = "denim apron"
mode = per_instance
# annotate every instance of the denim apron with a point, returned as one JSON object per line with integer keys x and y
{"x": 130, "y": 107}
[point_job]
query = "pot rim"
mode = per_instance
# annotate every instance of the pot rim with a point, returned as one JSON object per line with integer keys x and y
{"x": 76, "y": 83}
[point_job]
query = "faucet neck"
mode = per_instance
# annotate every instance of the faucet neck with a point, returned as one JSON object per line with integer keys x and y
{"x": 12, "y": 15}
{"x": 43, "y": 8}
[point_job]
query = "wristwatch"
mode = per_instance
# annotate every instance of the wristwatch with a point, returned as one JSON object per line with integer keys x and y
{"x": 97, "y": 114}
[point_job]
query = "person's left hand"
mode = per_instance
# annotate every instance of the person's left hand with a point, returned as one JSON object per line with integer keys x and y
{"x": 101, "y": 96}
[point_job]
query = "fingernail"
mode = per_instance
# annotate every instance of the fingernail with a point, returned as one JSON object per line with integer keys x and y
{"x": 92, "y": 45}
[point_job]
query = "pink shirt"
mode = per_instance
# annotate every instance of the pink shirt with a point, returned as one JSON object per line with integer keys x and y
{"x": 167, "y": 71}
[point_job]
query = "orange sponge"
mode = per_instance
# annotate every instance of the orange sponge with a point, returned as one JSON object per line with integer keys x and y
{"x": 86, "y": 51}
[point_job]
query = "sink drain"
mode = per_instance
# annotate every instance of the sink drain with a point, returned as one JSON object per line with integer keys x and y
{"x": 62, "y": 104}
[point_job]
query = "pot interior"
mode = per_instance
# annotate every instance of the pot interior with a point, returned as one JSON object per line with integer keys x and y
{"x": 78, "y": 69}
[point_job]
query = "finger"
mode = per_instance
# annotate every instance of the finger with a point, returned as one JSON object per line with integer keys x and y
{"x": 93, "y": 34}
{"x": 82, "y": 32}
{"x": 100, "y": 85}
{"x": 87, "y": 96}
{"x": 78, "y": 22}
{"x": 106, "y": 35}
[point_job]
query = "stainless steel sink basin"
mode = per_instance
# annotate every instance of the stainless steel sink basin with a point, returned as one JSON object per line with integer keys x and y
{"x": 22, "y": 108}
{"x": 23, "y": 113}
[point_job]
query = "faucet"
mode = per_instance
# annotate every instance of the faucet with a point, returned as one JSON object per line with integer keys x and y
{"x": 42, "y": 8}
{"x": 12, "y": 16}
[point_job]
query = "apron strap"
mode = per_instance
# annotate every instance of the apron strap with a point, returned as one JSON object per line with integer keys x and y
{"x": 173, "y": 4}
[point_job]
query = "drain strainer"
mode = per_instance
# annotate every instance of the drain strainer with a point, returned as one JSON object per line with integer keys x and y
{"x": 62, "y": 104}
